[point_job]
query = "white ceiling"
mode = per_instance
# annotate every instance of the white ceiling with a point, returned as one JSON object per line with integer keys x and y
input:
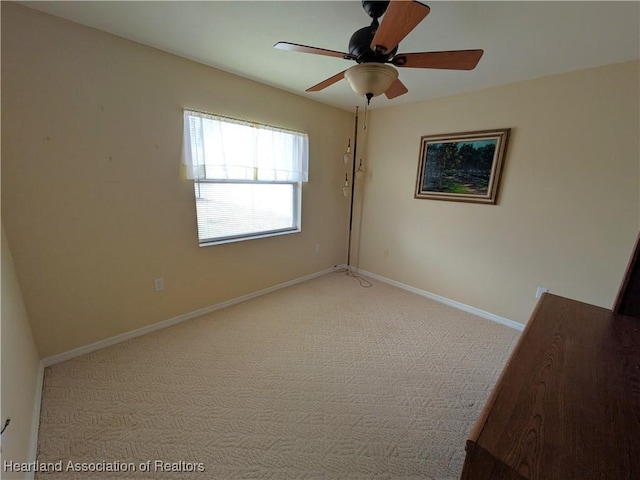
{"x": 521, "y": 40}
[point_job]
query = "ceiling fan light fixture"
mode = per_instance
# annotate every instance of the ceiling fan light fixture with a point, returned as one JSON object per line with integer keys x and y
{"x": 370, "y": 79}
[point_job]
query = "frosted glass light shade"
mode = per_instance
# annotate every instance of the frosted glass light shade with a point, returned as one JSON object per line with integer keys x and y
{"x": 373, "y": 78}
{"x": 360, "y": 171}
{"x": 347, "y": 155}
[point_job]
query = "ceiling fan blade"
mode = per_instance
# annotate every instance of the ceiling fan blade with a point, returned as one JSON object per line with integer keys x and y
{"x": 400, "y": 18}
{"x": 326, "y": 83}
{"x": 294, "y": 47}
{"x": 396, "y": 89}
{"x": 453, "y": 60}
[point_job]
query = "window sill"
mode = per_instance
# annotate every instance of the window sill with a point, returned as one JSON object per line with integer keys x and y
{"x": 244, "y": 238}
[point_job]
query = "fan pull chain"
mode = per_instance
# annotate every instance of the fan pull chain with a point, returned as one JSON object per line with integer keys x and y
{"x": 366, "y": 110}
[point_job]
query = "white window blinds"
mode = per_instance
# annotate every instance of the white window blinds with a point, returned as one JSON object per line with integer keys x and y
{"x": 220, "y": 148}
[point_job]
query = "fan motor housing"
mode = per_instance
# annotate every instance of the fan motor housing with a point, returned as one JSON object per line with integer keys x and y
{"x": 360, "y": 46}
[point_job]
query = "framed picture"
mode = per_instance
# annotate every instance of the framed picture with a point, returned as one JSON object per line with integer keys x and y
{"x": 462, "y": 167}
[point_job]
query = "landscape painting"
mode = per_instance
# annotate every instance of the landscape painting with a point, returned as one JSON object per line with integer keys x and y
{"x": 463, "y": 167}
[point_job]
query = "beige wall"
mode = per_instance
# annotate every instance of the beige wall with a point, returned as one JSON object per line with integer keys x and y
{"x": 20, "y": 364}
{"x": 94, "y": 203}
{"x": 568, "y": 209}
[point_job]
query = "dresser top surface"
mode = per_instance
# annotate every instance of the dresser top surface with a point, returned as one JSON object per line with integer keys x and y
{"x": 568, "y": 402}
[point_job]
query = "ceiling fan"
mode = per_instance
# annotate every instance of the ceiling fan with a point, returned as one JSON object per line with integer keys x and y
{"x": 375, "y": 46}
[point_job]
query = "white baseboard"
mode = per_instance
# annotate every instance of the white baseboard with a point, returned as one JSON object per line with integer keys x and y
{"x": 447, "y": 301}
{"x": 107, "y": 342}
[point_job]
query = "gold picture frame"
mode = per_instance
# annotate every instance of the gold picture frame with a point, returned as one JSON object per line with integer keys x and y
{"x": 462, "y": 167}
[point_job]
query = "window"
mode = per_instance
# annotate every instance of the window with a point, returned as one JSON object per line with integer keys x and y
{"x": 247, "y": 177}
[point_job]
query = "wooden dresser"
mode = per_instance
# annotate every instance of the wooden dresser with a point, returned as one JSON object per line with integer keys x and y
{"x": 567, "y": 405}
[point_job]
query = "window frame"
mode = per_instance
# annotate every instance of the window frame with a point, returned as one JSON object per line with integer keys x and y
{"x": 296, "y": 213}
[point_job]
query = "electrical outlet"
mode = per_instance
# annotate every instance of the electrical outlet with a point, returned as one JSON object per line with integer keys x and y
{"x": 385, "y": 253}
{"x": 540, "y": 291}
{"x": 317, "y": 247}
{"x": 158, "y": 285}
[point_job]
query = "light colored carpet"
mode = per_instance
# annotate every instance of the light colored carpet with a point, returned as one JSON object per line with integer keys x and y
{"x": 323, "y": 379}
